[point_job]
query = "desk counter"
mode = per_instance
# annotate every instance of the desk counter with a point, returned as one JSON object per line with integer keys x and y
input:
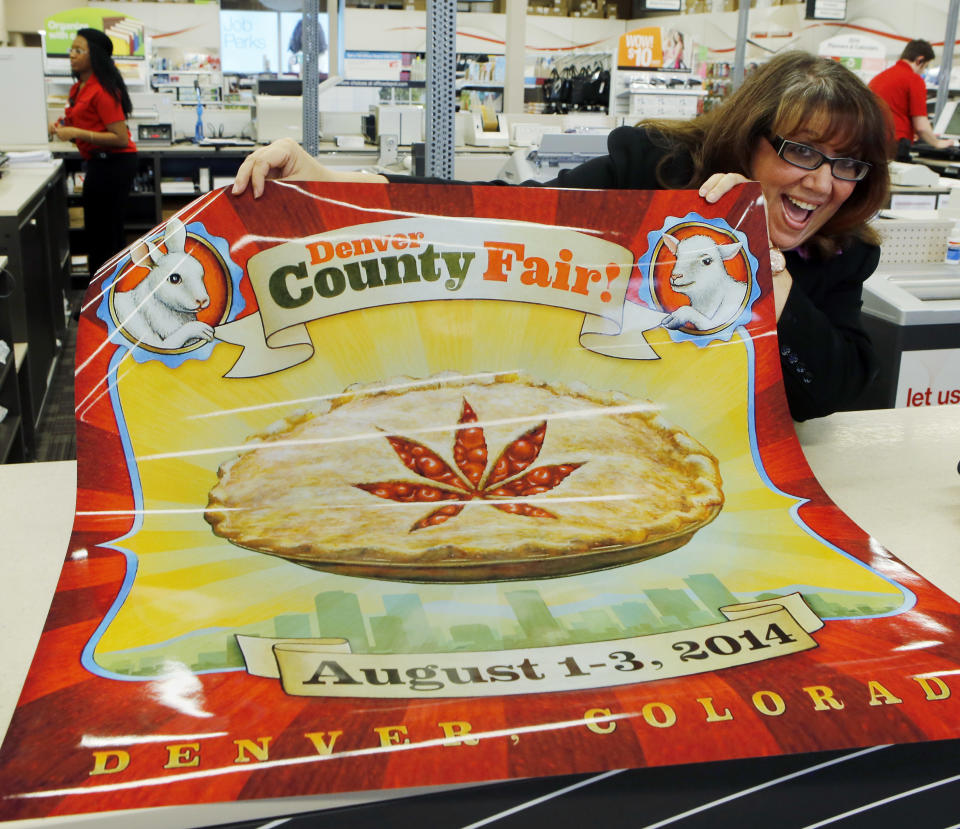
{"x": 20, "y": 184}
{"x": 893, "y": 471}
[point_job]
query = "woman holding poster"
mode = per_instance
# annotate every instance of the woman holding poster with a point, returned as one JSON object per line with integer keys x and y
{"x": 812, "y": 134}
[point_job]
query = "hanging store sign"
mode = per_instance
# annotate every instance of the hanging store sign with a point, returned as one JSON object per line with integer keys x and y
{"x": 826, "y": 10}
{"x": 126, "y": 33}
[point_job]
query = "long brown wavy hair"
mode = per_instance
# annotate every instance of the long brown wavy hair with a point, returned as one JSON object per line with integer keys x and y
{"x": 792, "y": 91}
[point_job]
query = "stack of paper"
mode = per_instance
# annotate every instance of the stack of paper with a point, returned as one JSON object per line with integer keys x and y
{"x": 28, "y": 157}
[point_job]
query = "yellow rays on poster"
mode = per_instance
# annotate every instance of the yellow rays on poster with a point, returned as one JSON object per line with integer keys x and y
{"x": 185, "y": 422}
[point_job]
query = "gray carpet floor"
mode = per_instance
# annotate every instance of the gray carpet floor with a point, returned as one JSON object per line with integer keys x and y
{"x": 56, "y": 437}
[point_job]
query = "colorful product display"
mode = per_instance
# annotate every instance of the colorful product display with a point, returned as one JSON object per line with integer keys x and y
{"x": 384, "y": 486}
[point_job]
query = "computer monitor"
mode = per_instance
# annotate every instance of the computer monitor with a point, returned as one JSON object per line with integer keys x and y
{"x": 948, "y": 124}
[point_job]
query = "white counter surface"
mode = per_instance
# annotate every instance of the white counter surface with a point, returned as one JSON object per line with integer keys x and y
{"x": 19, "y": 184}
{"x": 893, "y": 471}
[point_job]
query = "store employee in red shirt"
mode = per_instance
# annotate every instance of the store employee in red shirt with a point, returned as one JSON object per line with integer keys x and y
{"x": 903, "y": 89}
{"x": 96, "y": 121}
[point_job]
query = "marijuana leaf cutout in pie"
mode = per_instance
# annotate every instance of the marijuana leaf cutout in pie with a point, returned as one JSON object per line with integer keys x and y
{"x": 470, "y": 455}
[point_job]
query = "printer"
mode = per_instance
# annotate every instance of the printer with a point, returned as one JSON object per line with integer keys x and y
{"x": 154, "y": 112}
{"x": 912, "y": 175}
{"x": 405, "y": 121}
{"x": 557, "y": 151}
{"x": 279, "y": 116}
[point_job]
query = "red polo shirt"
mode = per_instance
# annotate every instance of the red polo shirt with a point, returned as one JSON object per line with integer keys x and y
{"x": 93, "y": 108}
{"x": 905, "y": 93}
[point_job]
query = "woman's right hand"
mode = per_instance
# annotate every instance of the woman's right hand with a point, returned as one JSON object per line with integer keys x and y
{"x": 286, "y": 159}
{"x": 719, "y": 184}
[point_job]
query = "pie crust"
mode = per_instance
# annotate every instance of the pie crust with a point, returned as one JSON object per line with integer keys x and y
{"x": 460, "y": 478}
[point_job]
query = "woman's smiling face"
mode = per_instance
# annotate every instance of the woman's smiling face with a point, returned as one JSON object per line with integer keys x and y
{"x": 799, "y": 202}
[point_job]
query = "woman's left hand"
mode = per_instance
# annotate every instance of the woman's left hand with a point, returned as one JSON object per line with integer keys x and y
{"x": 69, "y": 133}
{"x": 719, "y": 184}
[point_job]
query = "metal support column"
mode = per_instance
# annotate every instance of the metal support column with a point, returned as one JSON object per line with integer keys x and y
{"x": 516, "y": 53}
{"x": 335, "y": 36}
{"x": 311, "y": 77}
{"x": 946, "y": 59}
{"x": 441, "y": 87}
{"x": 740, "y": 54}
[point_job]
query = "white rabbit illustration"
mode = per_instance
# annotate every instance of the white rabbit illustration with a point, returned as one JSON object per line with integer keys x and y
{"x": 161, "y": 310}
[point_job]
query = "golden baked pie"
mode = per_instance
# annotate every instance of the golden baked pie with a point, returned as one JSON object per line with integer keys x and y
{"x": 468, "y": 478}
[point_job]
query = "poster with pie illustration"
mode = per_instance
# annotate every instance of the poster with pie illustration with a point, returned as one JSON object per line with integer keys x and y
{"x": 385, "y": 486}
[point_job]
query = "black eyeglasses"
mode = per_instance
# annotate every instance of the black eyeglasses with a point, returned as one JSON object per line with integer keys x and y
{"x": 808, "y": 158}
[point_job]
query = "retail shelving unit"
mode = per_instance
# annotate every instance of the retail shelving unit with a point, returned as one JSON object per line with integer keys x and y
{"x": 184, "y": 84}
{"x": 12, "y": 446}
{"x": 33, "y": 238}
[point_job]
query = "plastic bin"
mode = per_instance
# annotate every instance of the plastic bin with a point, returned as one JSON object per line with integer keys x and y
{"x": 912, "y": 313}
{"x": 912, "y": 241}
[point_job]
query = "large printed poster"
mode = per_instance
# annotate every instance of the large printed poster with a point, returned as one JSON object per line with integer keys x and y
{"x": 388, "y": 486}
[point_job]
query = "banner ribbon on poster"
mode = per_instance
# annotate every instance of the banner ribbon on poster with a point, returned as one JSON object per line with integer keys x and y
{"x": 752, "y": 632}
{"x": 434, "y": 259}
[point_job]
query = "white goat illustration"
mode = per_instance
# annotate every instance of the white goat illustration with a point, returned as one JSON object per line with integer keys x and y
{"x": 716, "y": 297}
{"x": 161, "y": 310}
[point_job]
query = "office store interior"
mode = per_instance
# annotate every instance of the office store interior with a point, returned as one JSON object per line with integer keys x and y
{"x": 189, "y": 575}
{"x": 538, "y": 86}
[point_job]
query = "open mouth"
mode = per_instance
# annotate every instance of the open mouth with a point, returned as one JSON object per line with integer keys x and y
{"x": 797, "y": 211}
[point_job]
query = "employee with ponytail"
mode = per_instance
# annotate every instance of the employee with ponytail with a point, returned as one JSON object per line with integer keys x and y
{"x": 95, "y": 120}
